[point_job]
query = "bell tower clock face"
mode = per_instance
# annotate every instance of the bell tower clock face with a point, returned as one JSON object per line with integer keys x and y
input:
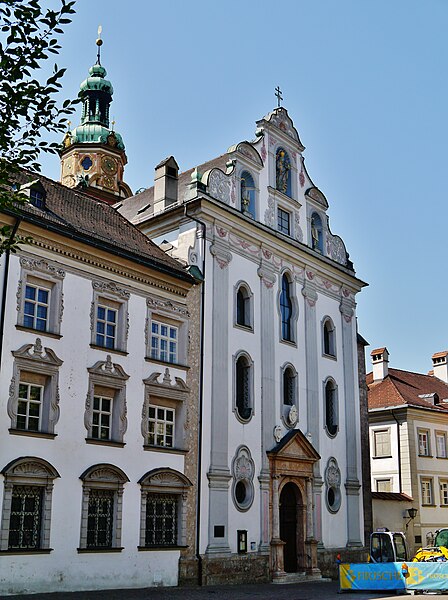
{"x": 109, "y": 165}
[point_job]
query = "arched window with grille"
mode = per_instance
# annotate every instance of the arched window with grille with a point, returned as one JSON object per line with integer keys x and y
{"x": 247, "y": 196}
{"x": 331, "y": 408}
{"x": 243, "y": 387}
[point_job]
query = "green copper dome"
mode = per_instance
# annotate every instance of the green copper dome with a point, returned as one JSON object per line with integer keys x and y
{"x": 96, "y": 81}
{"x": 90, "y": 133}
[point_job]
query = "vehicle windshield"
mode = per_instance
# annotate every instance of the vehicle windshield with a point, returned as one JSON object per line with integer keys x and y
{"x": 442, "y": 538}
{"x": 381, "y": 549}
{"x": 400, "y": 546}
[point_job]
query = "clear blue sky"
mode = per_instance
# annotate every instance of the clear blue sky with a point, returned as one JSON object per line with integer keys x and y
{"x": 366, "y": 85}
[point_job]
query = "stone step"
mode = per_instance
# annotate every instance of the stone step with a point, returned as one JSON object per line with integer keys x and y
{"x": 300, "y": 577}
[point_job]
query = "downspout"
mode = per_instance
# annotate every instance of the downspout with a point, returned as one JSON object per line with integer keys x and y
{"x": 5, "y": 288}
{"x": 201, "y": 396}
{"x": 399, "y": 450}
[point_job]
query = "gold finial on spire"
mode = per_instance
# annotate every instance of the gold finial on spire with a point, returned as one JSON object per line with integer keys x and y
{"x": 99, "y": 43}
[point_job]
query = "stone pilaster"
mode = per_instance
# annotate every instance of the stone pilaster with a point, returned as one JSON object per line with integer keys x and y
{"x": 352, "y": 484}
{"x": 312, "y": 397}
{"x": 276, "y": 543}
{"x": 219, "y": 472}
{"x": 267, "y": 281}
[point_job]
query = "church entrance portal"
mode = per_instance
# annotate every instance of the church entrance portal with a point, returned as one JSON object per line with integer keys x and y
{"x": 291, "y": 528}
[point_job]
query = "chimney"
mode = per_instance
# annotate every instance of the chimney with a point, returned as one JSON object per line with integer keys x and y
{"x": 380, "y": 362}
{"x": 440, "y": 365}
{"x": 165, "y": 184}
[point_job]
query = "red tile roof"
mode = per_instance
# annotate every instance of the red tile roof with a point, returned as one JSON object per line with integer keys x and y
{"x": 404, "y": 387}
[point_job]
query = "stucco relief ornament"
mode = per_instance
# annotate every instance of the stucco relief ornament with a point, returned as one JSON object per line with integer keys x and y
{"x": 219, "y": 186}
{"x": 243, "y": 468}
{"x": 293, "y": 415}
{"x": 301, "y": 177}
{"x": 333, "y": 473}
{"x": 269, "y": 216}
{"x": 263, "y": 151}
{"x": 277, "y": 433}
{"x": 233, "y": 190}
{"x": 297, "y": 228}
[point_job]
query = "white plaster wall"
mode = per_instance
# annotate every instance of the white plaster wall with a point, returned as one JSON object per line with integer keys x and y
{"x": 385, "y": 468}
{"x": 64, "y": 569}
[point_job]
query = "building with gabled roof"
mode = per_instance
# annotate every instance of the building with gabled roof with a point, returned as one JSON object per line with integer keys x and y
{"x": 408, "y": 422}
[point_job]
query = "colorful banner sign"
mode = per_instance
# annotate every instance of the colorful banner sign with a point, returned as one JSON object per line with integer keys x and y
{"x": 371, "y": 576}
{"x": 432, "y": 576}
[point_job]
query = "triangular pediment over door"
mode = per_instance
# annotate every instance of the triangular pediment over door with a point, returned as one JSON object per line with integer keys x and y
{"x": 293, "y": 455}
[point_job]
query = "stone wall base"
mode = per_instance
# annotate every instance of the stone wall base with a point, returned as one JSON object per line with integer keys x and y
{"x": 188, "y": 571}
{"x": 327, "y": 559}
{"x": 235, "y": 568}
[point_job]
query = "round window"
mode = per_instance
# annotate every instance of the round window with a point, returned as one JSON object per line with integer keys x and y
{"x": 333, "y": 499}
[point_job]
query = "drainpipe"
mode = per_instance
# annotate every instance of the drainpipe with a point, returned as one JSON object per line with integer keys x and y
{"x": 5, "y": 288}
{"x": 399, "y": 449}
{"x": 201, "y": 395}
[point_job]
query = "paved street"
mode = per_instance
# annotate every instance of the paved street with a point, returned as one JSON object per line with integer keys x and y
{"x": 301, "y": 591}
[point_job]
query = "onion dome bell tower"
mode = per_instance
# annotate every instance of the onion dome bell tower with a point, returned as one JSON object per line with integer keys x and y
{"x": 93, "y": 155}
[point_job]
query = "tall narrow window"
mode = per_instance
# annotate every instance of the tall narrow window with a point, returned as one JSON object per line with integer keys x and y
{"x": 283, "y": 172}
{"x": 26, "y": 517}
{"x": 329, "y": 338}
{"x": 331, "y": 417}
{"x": 243, "y": 388}
{"x": 102, "y": 417}
{"x": 100, "y": 518}
{"x": 161, "y": 520}
{"x": 247, "y": 194}
{"x": 106, "y": 326}
{"x": 289, "y": 387}
{"x": 316, "y": 233}
{"x": 423, "y": 442}
{"x": 243, "y": 307}
{"x": 283, "y": 221}
{"x": 286, "y": 309}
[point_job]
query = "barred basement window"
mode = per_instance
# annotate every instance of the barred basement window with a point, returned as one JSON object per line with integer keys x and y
{"x": 25, "y": 524}
{"x": 100, "y": 519}
{"x": 161, "y": 520}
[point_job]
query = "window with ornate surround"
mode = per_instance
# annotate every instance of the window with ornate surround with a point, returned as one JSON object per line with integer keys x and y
{"x": 40, "y": 297}
{"x": 102, "y": 503}
{"x": 33, "y": 404}
{"x": 105, "y": 410}
{"x": 109, "y": 317}
{"x": 163, "y": 517}
{"x": 243, "y": 471}
{"x": 26, "y": 514}
{"x": 164, "y": 413}
{"x": 166, "y": 331}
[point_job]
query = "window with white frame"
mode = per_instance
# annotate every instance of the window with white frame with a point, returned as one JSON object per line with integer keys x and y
{"x": 105, "y": 408}
{"x": 109, "y": 316}
{"x": 102, "y": 502}
{"x": 166, "y": 331}
{"x": 164, "y": 342}
{"x": 381, "y": 443}
{"x": 426, "y": 490}
{"x": 161, "y": 422}
{"x": 443, "y": 492}
{"x": 383, "y": 485}
{"x": 163, "y": 516}
{"x": 33, "y": 403}
{"x": 26, "y": 516}
{"x": 441, "y": 444}
{"x": 423, "y": 442}
{"x": 163, "y": 415}
{"x": 39, "y": 296}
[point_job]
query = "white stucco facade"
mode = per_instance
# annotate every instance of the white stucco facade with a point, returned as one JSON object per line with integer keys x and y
{"x": 256, "y": 454}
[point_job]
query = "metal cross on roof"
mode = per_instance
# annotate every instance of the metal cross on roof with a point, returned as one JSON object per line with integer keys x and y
{"x": 278, "y": 95}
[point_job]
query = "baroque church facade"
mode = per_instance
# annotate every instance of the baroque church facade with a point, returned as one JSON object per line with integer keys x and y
{"x": 280, "y": 449}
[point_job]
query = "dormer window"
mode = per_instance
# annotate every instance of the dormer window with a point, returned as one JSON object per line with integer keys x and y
{"x": 36, "y": 193}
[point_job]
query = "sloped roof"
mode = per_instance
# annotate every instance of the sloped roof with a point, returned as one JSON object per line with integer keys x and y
{"x": 75, "y": 214}
{"x": 398, "y": 497}
{"x": 139, "y": 207}
{"x": 404, "y": 387}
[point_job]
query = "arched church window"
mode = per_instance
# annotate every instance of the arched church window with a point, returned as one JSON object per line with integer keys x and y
{"x": 283, "y": 172}
{"x": 243, "y": 391}
{"x": 316, "y": 233}
{"x": 329, "y": 338}
{"x": 331, "y": 416}
{"x": 247, "y": 194}
{"x": 286, "y": 308}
